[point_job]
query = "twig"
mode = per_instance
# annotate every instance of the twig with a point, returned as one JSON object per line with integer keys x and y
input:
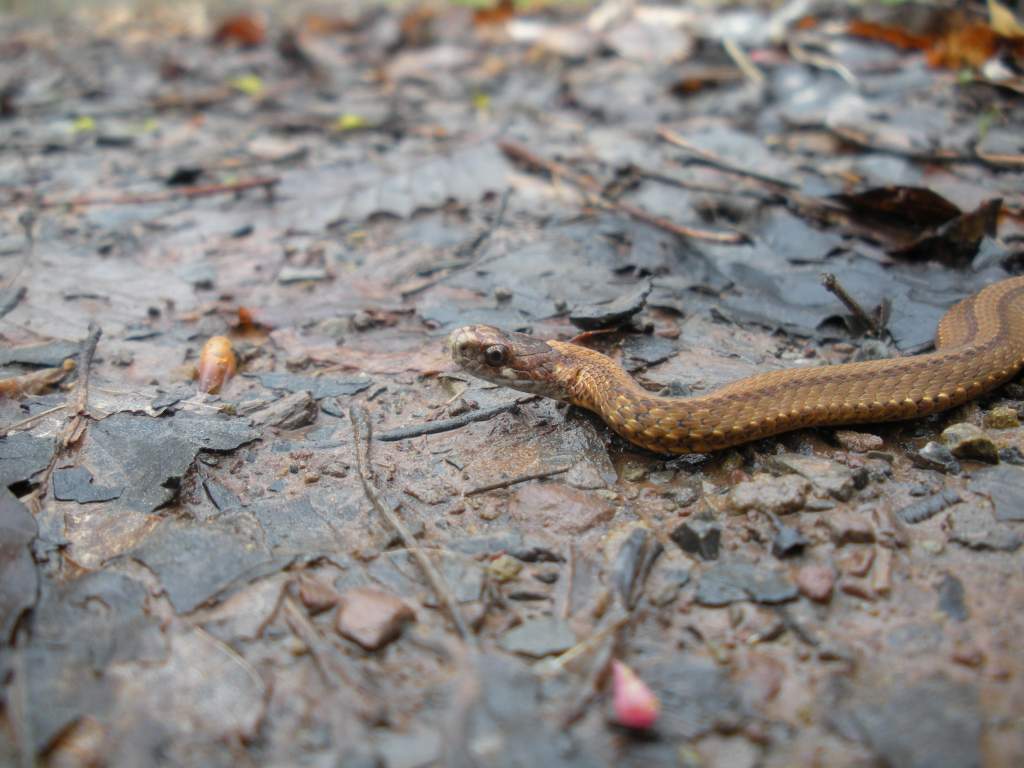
{"x": 360, "y": 425}
{"x": 558, "y": 663}
{"x": 190, "y": 193}
{"x": 516, "y": 480}
{"x": 720, "y": 162}
{"x": 4, "y": 431}
{"x": 446, "y": 425}
{"x": 11, "y": 299}
{"x": 468, "y": 250}
{"x": 802, "y": 55}
{"x": 593, "y": 189}
{"x": 79, "y": 404}
{"x": 739, "y": 56}
{"x": 833, "y": 286}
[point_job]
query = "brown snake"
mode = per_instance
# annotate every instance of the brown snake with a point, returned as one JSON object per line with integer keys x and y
{"x": 979, "y": 345}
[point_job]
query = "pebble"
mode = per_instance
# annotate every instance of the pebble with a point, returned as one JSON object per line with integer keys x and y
{"x": 788, "y": 541}
{"x": 765, "y": 493}
{"x": 972, "y": 526}
{"x": 634, "y": 472}
{"x": 1002, "y": 417}
{"x": 730, "y": 582}
{"x": 860, "y": 442}
{"x": 1004, "y": 485}
{"x": 831, "y": 477}
{"x": 504, "y": 568}
{"x": 858, "y": 562}
{"x": 372, "y": 617}
{"x": 315, "y": 595}
{"x": 816, "y": 581}
{"x": 539, "y": 637}
{"x": 936, "y": 456}
{"x": 850, "y": 528}
{"x": 857, "y": 588}
{"x": 1011, "y": 455}
{"x": 881, "y": 574}
{"x": 967, "y": 441}
{"x": 699, "y": 536}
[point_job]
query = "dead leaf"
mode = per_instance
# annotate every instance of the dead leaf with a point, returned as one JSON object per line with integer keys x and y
{"x": 245, "y": 29}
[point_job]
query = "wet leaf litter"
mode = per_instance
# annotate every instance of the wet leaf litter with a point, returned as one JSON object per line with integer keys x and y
{"x": 251, "y": 507}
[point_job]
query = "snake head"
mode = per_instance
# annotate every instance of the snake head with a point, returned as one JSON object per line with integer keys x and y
{"x": 510, "y": 359}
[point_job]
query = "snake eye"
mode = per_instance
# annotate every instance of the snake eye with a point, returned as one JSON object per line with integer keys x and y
{"x": 496, "y": 354}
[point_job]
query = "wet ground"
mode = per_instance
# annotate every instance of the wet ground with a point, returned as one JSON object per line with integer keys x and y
{"x": 354, "y": 554}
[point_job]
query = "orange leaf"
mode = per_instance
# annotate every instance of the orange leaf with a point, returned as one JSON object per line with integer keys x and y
{"x": 245, "y": 29}
{"x": 498, "y": 14}
{"x": 894, "y": 36}
{"x": 966, "y": 46}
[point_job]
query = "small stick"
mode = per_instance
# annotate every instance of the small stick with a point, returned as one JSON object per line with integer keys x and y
{"x": 516, "y": 480}
{"x": 833, "y": 286}
{"x": 79, "y": 405}
{"x": 361, "y": 423}
{"x": 446, "y": 425}
{"x": 719, "y": 162}
{"x": 593, "y": 188}
{"x": 747, "y": 67}
{"x": 31, "y": 419}
{"x": 190, "y": 193}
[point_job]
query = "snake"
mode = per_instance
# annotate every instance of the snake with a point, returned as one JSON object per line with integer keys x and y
{"x": 979, "y": 345}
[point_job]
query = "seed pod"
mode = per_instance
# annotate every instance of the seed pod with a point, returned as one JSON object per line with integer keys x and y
{"x": 217, "y": 364}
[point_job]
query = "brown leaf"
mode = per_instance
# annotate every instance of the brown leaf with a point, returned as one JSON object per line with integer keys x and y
{"x": 245, "y": 29}
{"x": 956, "y": 242}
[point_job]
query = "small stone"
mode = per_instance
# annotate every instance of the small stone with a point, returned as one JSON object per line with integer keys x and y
{"x": 372, "y": 617}
{"x": 634, "y": 472}
{"x": 933, "y": 547}
{"x": 859, "y": 442}
{"x": 764, "y": 493}
{"x": 858, "y": 588}
{"x": 362, "y": 320}
{"x": 966, "y": 441}
{"x": 317, "y": 596}
{"x": 737, "y": 580}
{"x": 1002, "y": 417}
{"x": 788, "y": 541}
{"x": 293, "y": 411}
{"x": 881, "y": 574}
{"x": 504, "y": 568}
{"x": 951, "y": 598}
{"x": 1005, "y": 486}
{"x": 539, "y": 637}
{"x": 857, "y": 563}
{"x": 835, "y": 479}
{"x": 1011, "y": 454}
{"x": 292, "y": 274}
{"x": 972, "y": 526}
{"x": 850, "y": 528}
{"x": 968, "y": 655}
{"x": 501, "y": 293}
{"x": 815, "y": 582}
{"x": 699, "y": 536}
{"x": 938, "y": 457}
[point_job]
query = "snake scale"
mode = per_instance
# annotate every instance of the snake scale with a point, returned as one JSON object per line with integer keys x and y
{"x": 979, "y": 345}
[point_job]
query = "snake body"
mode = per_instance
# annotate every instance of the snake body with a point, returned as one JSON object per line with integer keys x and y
{"x": 979, "y": 345}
